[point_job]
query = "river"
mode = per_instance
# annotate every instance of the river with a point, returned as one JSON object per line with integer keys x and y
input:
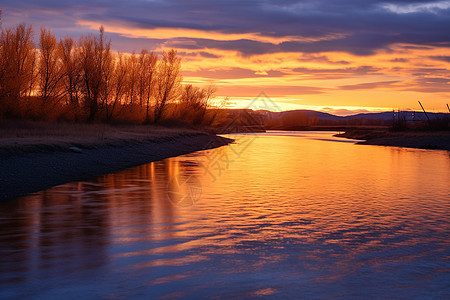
{"x": 282, "y": 215}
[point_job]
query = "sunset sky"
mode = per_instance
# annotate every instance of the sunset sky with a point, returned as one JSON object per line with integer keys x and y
{"x": 341, "y": 57}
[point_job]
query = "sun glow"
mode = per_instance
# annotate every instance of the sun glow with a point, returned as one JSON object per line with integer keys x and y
{"x": 280, "y": 104}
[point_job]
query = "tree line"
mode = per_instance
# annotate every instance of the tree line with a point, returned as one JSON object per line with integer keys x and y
{"x": 84, "y": 80}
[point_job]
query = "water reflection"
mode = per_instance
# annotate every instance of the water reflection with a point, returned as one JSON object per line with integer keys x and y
{"x": 294, "y": 214}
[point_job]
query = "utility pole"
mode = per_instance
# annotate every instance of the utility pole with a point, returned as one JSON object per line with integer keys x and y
{"x": 426, "y": 115}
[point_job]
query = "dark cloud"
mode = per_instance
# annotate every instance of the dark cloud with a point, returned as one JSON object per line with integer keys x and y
{"x": 245, "y": 47}
{"x": 208, "y": 55}
{"x": 239, "y": 73}
{"x": 321, "y": 59}
{"x": 402, "y": 60}
{"x": 418, "y": 72}
{"x": 357, "y": 43}
{"x": 359, "y": 27}
{"x": 124, "y": 44}
{"x": 417, "y": 47}
{"x": 429, "y": 85}
{"x": 367, "y": 86}
{"x": 273, "y": 91}
{"x": 233, "y": 73}
{"x": 441, "y": 58}
{"x": 337, "y": 73}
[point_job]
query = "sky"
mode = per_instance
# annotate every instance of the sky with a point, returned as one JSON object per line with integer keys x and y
{"x": 342, "y": 57}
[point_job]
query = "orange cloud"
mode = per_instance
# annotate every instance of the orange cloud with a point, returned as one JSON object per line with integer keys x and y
{"x": 172, "y": 33}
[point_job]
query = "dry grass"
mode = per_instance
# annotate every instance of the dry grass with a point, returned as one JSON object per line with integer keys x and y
{"x": 20, "y": 136}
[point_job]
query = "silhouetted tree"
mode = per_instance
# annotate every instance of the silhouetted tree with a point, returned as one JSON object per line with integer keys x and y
{"x": 107, "y": 74}
{"x": 203, "y": 104}
{"x": 147, "y": 77}
{"x": 118, "y": 85}
{"x": 194, "y": 102}
{"x": 132, "y": 78}
{"x": 71, "y": 71}
{"x": 86, "y": 73}
{"x": 168, "y": 83}
{"x": 17, "y": 61}
{"x": 50, "y": 66}
{"x": 92, "y": 53}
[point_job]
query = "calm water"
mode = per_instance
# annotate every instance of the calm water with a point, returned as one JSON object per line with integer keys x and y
{"x": 277, "y": 215}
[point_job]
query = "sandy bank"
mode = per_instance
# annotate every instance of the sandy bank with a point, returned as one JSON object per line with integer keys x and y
{"x": 421, "y": 140}
{"x": 40, "y": 167}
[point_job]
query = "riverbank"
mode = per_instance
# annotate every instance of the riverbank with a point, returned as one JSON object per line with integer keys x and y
{"x": 37, "y": 156}
{"x": 439, "y": 140}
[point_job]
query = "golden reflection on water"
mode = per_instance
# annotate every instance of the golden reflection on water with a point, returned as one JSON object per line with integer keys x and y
{"x": 284, "y": 213}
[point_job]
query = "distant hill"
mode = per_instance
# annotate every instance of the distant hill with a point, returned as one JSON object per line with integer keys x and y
{"x": 301, "y": 119}
{"x": 241, "y": 120}
{"x": 388, "y": 115}
{"x": 311, "y": 113}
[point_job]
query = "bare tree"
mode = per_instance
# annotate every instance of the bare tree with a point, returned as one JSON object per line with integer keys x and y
{"x": 71, "y": 69}
{"x": 169, "y": 81}
{"x": 118, "y": 93}
{"x": 17, "y": 57}
{"x": 107, "y": 79}
{"x": 88, "y": 72}
{"x": 92, "y": 54}
{"x": 194, "y": 102}
{"x": 33, "y": 74}
{"x": 50, "y": 66}
{"x": 147, "y": 78}
{"x": 216, "y": 111}
{"x": 132, "y": 78}
{"x": 208, "y": 95}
